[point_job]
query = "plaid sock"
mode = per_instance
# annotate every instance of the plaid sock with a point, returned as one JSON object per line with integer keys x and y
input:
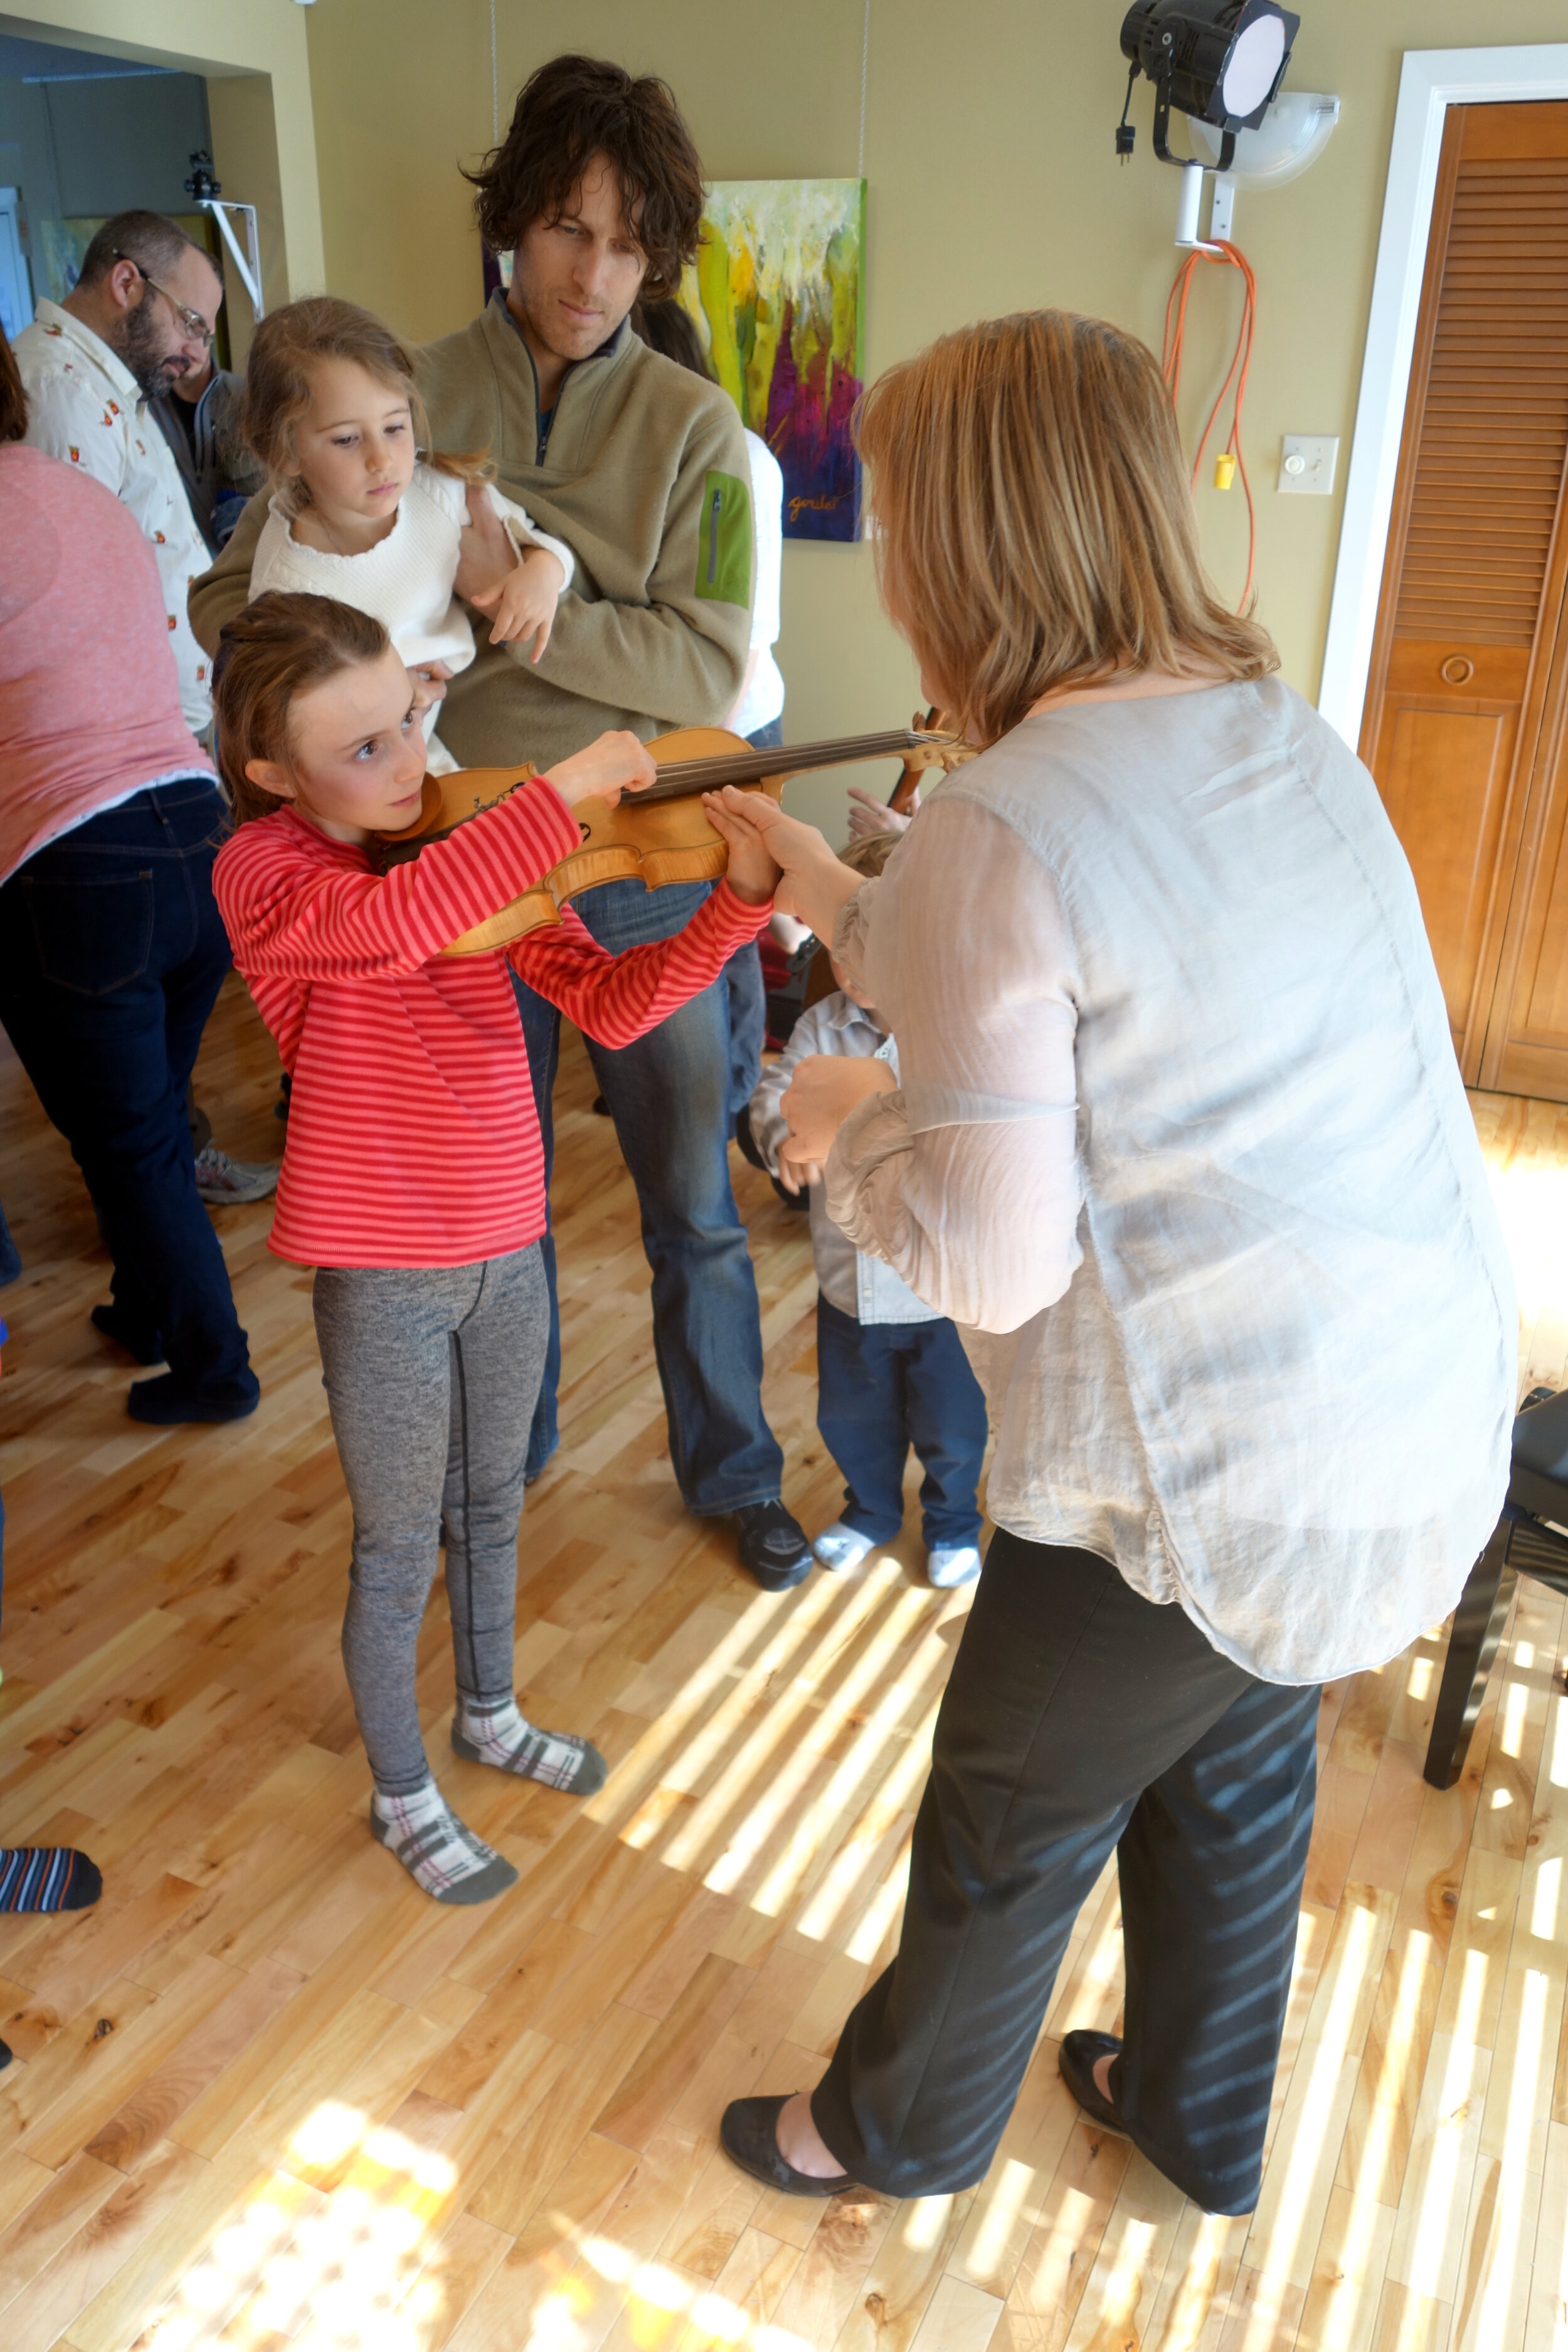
{"x": 437, "y": 1850}
{"x": 46, "y": 1878}
{"x": 499, "y": 1735}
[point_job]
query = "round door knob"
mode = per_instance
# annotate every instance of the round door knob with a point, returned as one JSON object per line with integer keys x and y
{"x": 1458, "y": 670}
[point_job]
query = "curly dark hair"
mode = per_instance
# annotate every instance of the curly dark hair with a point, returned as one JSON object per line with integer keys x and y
{"x": 569, "y": 111}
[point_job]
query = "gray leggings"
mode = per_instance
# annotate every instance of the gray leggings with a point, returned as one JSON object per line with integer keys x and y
{"x": 431, "y": 1378}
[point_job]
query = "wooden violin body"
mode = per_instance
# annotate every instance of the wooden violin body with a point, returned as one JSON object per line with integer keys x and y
{"x": 655, "y": 837}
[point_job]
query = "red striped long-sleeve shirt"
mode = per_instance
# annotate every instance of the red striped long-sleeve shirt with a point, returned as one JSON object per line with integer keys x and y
{"x": 413, "y": 1139}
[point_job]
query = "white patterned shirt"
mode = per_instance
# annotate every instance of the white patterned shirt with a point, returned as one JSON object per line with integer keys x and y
{"x": 84, "y": 407}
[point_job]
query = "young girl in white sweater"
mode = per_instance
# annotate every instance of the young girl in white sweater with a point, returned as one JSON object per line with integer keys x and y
{"x": 365, "y": 511}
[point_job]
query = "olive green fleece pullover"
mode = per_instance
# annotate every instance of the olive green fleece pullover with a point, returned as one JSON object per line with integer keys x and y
{"x": 645, "y": 477}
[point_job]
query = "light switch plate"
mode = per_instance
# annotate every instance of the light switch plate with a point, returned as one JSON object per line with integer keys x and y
{"x": 1307, "y": 464}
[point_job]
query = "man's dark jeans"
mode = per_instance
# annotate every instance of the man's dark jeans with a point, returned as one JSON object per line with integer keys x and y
{"x": 668, "y": 1095}
{"x": 112, "y": 954}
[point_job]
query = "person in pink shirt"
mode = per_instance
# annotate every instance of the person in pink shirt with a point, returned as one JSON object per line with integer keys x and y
{"x": 112, "y": 949}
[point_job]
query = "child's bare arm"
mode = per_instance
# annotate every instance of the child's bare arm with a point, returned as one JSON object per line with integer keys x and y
{"x": 522, "y": 605}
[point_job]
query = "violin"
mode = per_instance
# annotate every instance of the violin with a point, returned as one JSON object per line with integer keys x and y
{"x": 656, "y": 836}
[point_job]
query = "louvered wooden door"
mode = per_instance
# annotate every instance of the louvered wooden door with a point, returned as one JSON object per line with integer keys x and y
{"x": 1462, "y": 673}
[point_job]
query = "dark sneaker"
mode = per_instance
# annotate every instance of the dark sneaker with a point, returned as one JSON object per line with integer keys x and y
{"x": 773, "y": 1546}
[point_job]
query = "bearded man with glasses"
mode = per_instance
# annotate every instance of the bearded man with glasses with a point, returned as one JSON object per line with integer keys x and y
{"x": 143, "y": 310}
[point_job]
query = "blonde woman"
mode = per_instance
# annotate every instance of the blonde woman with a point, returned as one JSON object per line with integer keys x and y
{"x": 1182, "y": 1145}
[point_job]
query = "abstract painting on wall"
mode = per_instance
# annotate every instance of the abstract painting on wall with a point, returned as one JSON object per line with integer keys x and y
{"x": 777, "y": 292}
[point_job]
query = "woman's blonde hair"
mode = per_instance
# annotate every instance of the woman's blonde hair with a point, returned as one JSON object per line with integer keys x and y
{"x": 278, "y": 647}
{"x": 288, "y": 345}
{"x": 1034, "y": 524}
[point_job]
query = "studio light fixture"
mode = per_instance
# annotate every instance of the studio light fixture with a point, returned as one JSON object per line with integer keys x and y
{"x": 1220, "y": 61}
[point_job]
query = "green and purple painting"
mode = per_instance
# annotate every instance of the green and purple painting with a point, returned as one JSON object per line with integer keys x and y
{"x": 776, "y": 292}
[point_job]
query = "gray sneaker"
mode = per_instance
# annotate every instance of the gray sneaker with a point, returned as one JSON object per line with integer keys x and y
{"x": 223, "y": 1183}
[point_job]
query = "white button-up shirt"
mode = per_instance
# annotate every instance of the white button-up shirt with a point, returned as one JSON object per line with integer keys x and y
{"x": 84, "y": 407}
{"x": 1181, "y": 1142}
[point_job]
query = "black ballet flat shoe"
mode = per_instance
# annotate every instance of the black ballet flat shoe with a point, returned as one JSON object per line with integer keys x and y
{"x": 4, "y": 2055}
{"x": 749, "y": 2135}
{"x": 1076, "y": 2062}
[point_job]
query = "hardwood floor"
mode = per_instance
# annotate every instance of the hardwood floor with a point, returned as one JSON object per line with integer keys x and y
{"x": 267, "y": 2093}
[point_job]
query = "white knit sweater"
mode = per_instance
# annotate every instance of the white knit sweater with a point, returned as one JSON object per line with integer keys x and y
{"x": 405, "y": 582}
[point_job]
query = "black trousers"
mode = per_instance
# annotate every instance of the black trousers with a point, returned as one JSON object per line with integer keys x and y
{"x": 112, "y": 955}
{"x": 1080, "y": 1717}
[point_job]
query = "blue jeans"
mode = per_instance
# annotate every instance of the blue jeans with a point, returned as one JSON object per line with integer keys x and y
{"x": 112, "y": 955}
{"x": 882, "y": 1388}
{"x": 748, "y": 1015}
{"x": 668, "y": 1095}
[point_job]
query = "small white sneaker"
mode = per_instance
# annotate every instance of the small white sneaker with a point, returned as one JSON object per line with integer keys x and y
{"x": 840, "y": 1549}
{"x": 951, "y": 1564}
{"x": 224, "y": 1183}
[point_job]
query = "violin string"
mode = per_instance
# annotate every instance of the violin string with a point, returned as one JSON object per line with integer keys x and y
{"x": 681, "y": 775}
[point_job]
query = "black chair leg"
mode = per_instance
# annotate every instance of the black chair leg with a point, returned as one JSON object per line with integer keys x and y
{"x": 1472, "y": 1645}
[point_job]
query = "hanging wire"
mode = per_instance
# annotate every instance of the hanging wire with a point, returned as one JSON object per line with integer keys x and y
{"x": 865, "y": 60}
{"x": 1225, "y": 255}
{"x": 495, "y": 82}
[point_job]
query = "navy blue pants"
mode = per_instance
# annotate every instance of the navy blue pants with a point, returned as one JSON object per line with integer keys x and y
{"x": 669, "y": 1097}
{"x": 1081, "y": 1718}
{"x": 882, "y": 1388}
{"x": 112, "y": 954}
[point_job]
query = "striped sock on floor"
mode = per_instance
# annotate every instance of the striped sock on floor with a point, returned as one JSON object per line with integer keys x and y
{"x": 502, "y": 1735}
{"x": 46, "y": 1878}
{"x": 440, "y": 1852}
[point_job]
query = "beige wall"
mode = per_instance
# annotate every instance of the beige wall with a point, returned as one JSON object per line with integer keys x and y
{"x": 992, "y": 186}
{"x": 254, "y": 55}
{"x": 245, "y": 158}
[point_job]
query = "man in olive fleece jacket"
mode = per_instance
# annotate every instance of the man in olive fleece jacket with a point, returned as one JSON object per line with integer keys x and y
{"x": 641, "y": 467}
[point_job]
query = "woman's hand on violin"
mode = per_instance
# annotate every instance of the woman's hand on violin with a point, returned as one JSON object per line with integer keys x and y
{"x": 753, "y": 871}
{"x": 617, "y": 762}
{"x": 868, "y": 816}
{"x": 815, "y": 887}
{"x": 821, "y": 1095}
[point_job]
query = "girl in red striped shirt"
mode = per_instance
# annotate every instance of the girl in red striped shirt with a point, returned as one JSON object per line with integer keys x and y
{"x": 413, "y": 1179}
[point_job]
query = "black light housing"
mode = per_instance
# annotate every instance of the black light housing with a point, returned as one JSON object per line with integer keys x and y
{"x": 1221, "y": 60}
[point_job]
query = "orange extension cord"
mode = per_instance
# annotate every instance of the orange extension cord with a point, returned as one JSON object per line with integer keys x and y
{"x": 1232, "y": 257}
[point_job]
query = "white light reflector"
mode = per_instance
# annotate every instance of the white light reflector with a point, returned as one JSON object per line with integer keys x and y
{"x": 1250, "y": 69}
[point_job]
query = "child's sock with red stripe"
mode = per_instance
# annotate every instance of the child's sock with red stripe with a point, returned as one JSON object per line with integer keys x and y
{"x": 46, "y": 1878}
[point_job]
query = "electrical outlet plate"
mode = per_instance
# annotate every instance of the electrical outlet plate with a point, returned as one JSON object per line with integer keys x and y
{"x": 1307, "y": 464}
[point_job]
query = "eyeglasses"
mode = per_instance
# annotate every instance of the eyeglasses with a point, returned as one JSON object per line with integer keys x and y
{"x": 194, "y": 325}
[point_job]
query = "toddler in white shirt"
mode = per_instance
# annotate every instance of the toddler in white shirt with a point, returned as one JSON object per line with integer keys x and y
{"x": 363, "y": 511}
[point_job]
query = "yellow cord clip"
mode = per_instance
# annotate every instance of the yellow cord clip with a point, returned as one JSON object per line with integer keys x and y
{"x": 1224, "y": 471}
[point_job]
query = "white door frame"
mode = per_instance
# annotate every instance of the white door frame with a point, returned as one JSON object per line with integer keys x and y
{"x": 1430, "y": 81}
